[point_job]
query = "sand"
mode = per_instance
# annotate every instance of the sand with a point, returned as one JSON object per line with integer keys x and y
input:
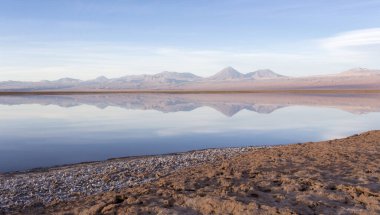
{"x": 331, "y": 177}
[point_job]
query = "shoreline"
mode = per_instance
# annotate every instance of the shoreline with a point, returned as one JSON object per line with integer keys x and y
{"x": 73, "y": 181}
{"x": 279, "y": 91}
{"x": 124, "y": 159}
{"x": 330, "y": 177}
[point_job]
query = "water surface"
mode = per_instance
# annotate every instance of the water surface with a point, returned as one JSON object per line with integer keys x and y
{"x": 43, "y": 131}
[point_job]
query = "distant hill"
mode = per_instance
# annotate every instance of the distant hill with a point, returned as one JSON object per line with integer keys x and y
{"x": 263, "y": 74}
{"x": 227, "y": 73}
{"x": 174, "y": 77}
{"x": 360, "y": 72}
{"x": 226, "y": 79}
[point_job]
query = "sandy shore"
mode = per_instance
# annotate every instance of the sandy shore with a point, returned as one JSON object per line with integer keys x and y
{"x": 72, "y": 182}
{"x": 330, "y": 177}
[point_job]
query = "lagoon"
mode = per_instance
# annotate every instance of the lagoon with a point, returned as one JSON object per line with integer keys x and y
{"x": 48, "y": 130}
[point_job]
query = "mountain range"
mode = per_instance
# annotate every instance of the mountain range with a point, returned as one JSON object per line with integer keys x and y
{"x": 226, "y": 79}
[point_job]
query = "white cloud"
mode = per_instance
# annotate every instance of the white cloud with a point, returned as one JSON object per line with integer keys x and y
{"x": 359, "y": 48}
{"x": 353, "y": 39}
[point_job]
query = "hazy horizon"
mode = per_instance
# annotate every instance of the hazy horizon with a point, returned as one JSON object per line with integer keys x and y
{"x": 48, "y": 40}
{"x": 203, "y": 77}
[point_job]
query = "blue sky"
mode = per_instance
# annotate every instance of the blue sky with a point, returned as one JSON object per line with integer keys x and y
{"x": 44, "y": 39}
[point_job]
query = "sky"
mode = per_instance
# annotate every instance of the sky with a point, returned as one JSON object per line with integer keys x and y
{"x": 48, "y": 40}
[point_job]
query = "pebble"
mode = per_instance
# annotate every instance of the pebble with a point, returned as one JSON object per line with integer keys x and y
{"x": 74, "y": 181}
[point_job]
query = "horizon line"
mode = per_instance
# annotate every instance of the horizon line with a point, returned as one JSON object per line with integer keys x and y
{"x": 301, "y": 91}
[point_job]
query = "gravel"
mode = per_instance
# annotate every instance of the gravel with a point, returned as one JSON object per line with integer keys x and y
{"x": 19, "y": 190}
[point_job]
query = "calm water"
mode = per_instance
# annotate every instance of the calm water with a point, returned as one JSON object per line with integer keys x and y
{"x": 42, "y": 131}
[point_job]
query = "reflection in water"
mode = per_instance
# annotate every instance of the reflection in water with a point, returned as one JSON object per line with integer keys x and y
{"x": 38, "y": 131}
{"x": 228, "y": 104}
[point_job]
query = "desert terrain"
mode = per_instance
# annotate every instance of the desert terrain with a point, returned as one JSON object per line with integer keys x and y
{"x": 226, "y": 80}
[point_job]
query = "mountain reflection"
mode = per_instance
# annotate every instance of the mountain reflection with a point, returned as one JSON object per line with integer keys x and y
{"x": 227, "y": 104}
